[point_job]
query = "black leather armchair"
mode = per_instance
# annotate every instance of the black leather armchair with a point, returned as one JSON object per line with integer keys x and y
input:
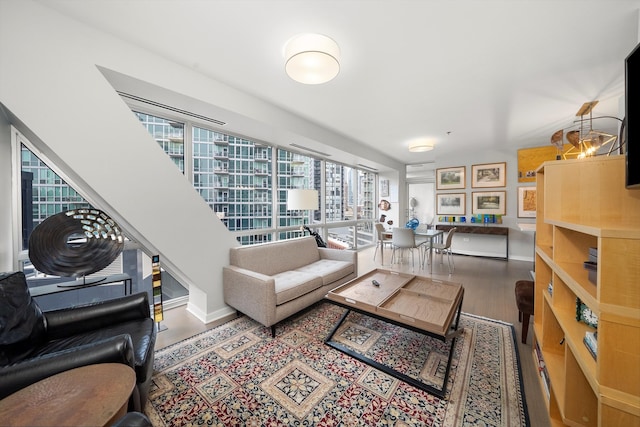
{"x": 35, "y": 344}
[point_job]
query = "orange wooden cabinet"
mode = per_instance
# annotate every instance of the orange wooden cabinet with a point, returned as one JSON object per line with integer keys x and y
{"x": 584, "y": 204}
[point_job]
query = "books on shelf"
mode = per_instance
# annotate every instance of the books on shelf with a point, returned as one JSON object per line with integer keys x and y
{"x": 542, "y": 369}
{"x": 591, "y": 341}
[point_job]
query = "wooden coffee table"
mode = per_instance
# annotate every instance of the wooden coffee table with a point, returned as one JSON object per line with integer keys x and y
{"x": 428, "y": 306}
{"x": 93, "y": 395}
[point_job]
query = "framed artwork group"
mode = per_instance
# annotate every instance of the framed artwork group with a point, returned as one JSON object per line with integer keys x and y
{"x": 486, "y": 175}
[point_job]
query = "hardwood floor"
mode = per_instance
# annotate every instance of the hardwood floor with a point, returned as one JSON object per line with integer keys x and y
{"x": 489, "y": 291}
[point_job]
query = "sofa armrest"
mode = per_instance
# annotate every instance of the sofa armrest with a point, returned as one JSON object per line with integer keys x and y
{"x": 339, "y": 255}
{"x": 251, "y": 293}
{"x": 71, "y": 321}
{"x": 117, "y": 349}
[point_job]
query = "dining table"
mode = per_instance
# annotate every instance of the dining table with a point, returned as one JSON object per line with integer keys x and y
{"x": 429, "y": 235}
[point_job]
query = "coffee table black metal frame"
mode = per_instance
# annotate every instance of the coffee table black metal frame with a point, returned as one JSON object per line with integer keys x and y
{"x": 451, "y": 335}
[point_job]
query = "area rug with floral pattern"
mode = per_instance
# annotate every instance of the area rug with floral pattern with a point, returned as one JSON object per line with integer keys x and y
{"x": 238, "y": 375}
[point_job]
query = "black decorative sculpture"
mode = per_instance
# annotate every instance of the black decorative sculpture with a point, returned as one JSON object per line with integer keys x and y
{"x": 75, "y": 243}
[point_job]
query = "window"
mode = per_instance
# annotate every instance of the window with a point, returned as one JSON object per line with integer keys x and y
{"x": 44, "y": 193}
{"x": 169, "y": 135}
{"x": 296, "y": 171}
{"x": 245, "y": 183}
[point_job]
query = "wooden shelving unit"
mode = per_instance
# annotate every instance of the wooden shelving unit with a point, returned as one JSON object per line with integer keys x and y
{"x": 583, "y": 204}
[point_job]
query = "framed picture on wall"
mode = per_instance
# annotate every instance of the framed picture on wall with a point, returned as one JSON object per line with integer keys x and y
{"x": 527, "y": 202}
{"x": 489, "y": 202}
{"x": 450, "y": 178}
{"x": 489, "y": 175}
{"x": 384, "y": 188}
{"x": 451, "y": 204}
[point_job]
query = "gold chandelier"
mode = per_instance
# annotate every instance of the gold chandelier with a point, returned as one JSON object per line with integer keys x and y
{"x": 585, "y": 141}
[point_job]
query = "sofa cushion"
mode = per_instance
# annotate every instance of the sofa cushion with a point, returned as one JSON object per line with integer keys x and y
{"x": 330, "y": 270}
{"x": 293, "y": 284}
{"x": 276, "y": 257}
{"x": 21, "y": 320}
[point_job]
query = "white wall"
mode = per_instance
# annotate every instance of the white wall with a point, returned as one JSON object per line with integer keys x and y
{"x": 424, "y": 194}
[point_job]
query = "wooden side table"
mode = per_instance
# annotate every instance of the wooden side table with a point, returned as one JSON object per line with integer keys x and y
{"x": 94, "y": 395}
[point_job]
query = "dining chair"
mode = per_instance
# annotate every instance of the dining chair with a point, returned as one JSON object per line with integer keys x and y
{"x": 403, "y": 239}
{"x": 383, "y": 238}
{"x": 446, "y": 247}
{"x": 423, "y": 243}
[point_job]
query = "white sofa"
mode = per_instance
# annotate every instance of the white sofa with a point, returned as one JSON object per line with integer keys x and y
{"x": 271, "y": 281}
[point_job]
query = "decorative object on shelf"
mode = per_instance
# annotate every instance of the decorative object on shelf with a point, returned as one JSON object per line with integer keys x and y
{"x": 390, "y": 222}
{"x": 75, "y": 243}
{"x": 585, "y": 315}
{"x": 591, "y": 341}
{"x": 585, "y": 141}
{"x": 592, "y": 266}
{"x": 526, "y": 202}
{"x": 489, "y": 175}
{"x": 490, "y": 203}
{"x": 383, "y": 218}
{"x": 312, "y": 58}
{"x": 486, "y": 219}
{"x": 451, "y": 178}
{"x": 557, "y": 142}
{"x": 592, "y": 269}
{"x": 451, "y": 203}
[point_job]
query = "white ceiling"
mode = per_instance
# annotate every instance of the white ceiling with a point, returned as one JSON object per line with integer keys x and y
{"x": 494, "y": 74}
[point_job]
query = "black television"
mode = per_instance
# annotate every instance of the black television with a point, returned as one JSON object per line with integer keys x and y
{"x": 631, "y": 131}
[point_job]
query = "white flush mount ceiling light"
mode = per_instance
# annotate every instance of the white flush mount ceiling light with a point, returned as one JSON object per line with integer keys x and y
{"x": 420, "y": 145}
{"x": 312, "y": 58}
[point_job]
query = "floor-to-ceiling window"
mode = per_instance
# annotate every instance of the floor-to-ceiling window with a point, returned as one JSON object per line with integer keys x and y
{"x": 245, "y": 183}
{"x": 295, "y": 171}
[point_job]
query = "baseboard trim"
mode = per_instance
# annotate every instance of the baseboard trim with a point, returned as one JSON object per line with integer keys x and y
{"x": 210, "y": 317}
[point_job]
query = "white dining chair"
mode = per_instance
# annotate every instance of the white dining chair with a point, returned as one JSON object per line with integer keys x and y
{"x": 403, "y": 239}
{"x": 383, "y": 239}
{"x": 446, "y": 248}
